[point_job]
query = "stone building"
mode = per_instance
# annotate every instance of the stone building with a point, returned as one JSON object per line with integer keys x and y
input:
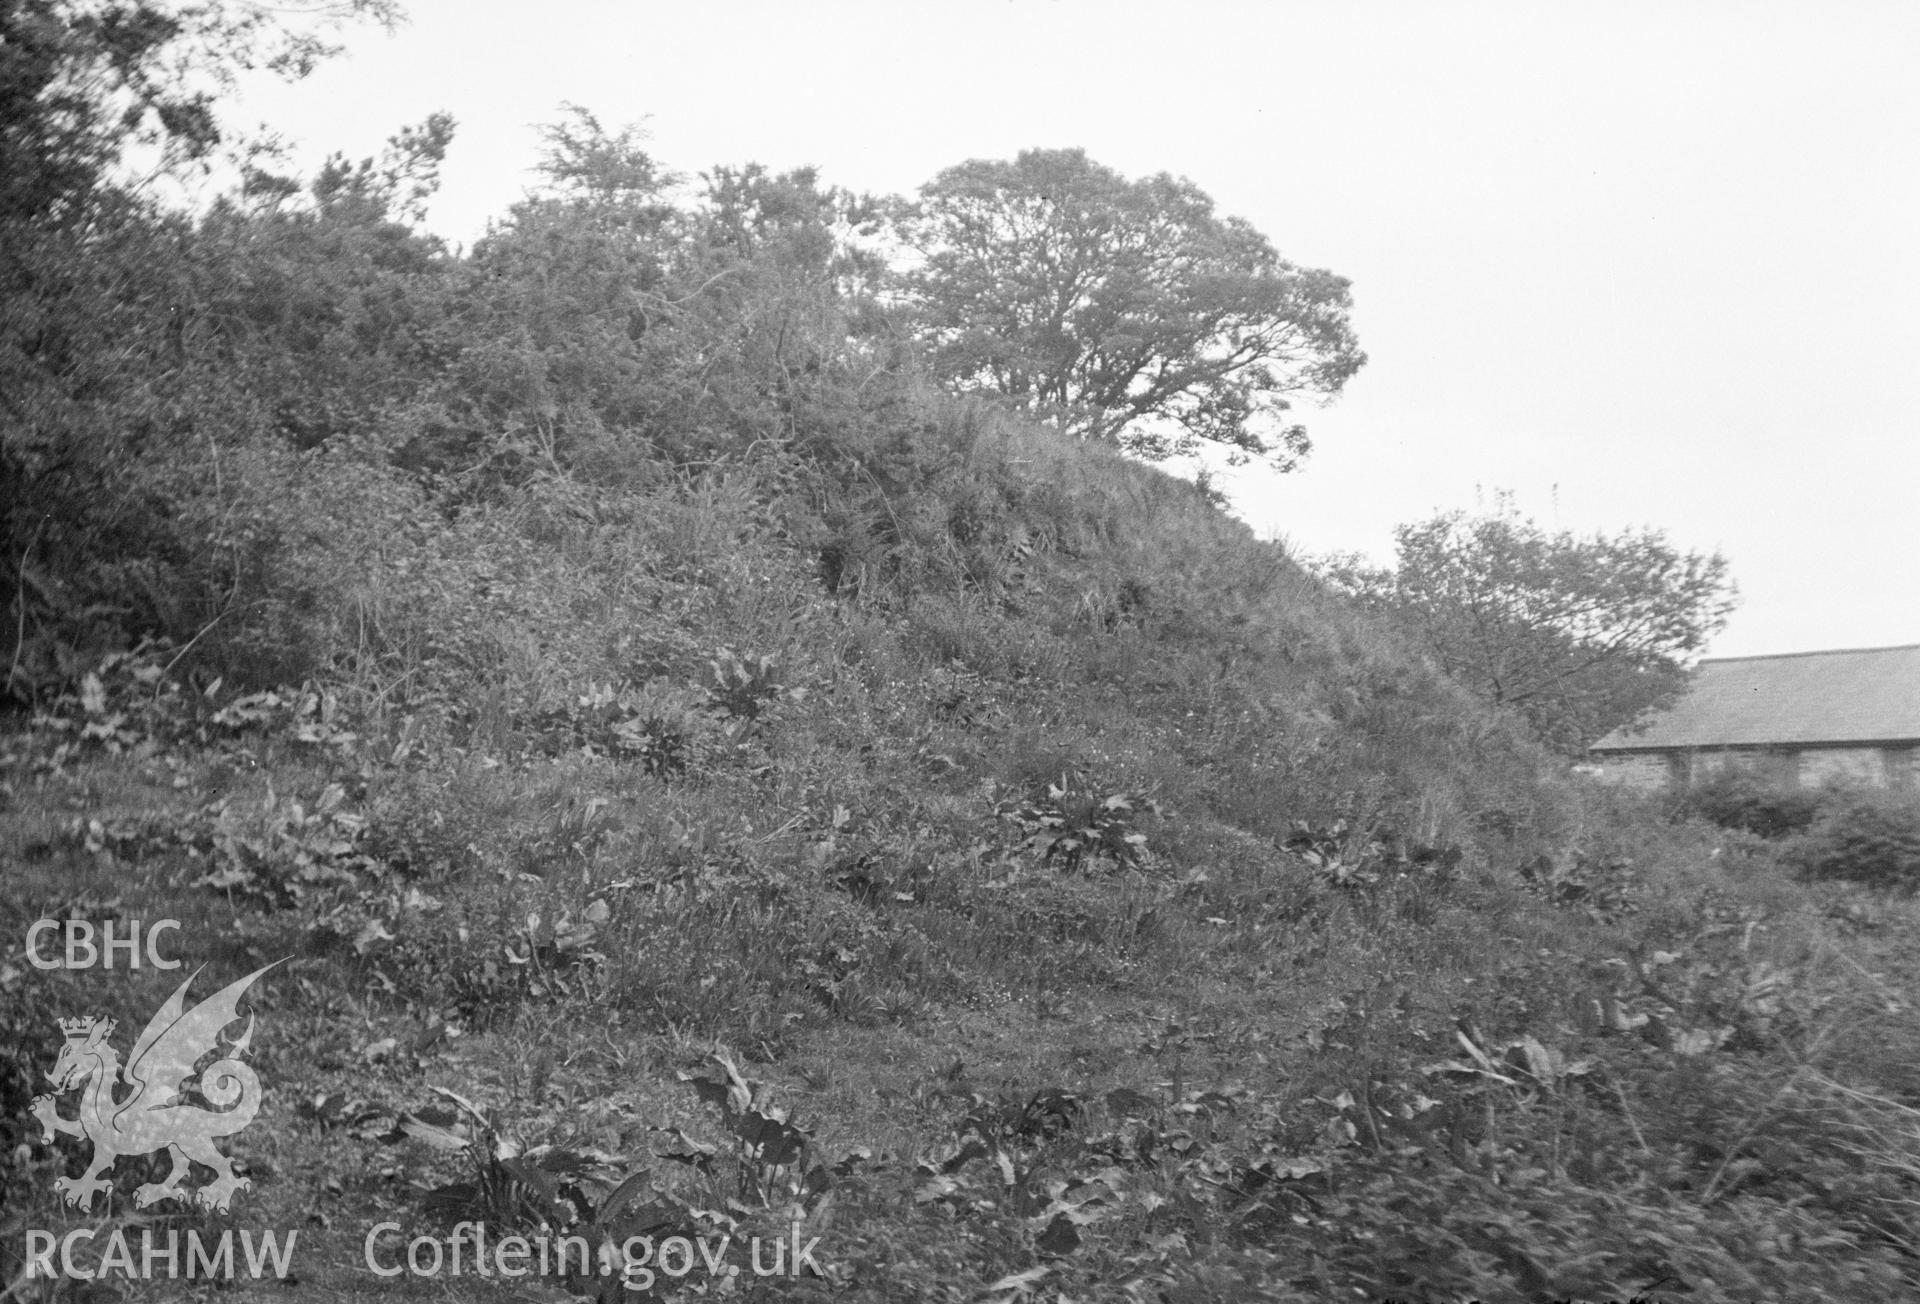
{"x": 1805, "y": 718}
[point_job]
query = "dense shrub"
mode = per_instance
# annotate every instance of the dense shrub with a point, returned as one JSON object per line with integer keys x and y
{"x": 1828, "y": 833}
{"x": 1871, "y": 838}
{"x": 1734, "y": 799}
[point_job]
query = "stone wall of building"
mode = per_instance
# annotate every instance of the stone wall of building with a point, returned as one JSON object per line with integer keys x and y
{"x": 1809, "y": 767}
{"x": 1644, "y": 771}
{"x": 1778, "y": 765}
{"x": 1903, "y": 767}
{"x": 1863, "y": 765}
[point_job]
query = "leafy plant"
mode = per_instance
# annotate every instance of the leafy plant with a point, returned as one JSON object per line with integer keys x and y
{"x": 766, "y": 1181}
{"x": 289, "y": 851}
{"x": 1076, "y": 824}
{"x": 559, "y": 952}
{"x": 743, "y": 687}
{"x": 1345, "y": 858}
{"x": 1602, "y": 885}
{"x": 771, "y": 1163}
{"x": 511, "y": 1186}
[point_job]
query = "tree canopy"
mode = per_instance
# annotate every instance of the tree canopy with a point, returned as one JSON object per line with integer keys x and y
{"x": 1127, "y": 310}
{"x": 1579, "y": 635}
{"x": 82, "y": 82}
{"x": 168, "y": 369}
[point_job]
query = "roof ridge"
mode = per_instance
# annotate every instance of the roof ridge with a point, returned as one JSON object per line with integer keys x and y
{"x": 1820, "y": 652}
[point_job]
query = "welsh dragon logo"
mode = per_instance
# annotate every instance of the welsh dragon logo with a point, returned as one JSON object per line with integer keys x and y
{"x": 154, "y": 1113}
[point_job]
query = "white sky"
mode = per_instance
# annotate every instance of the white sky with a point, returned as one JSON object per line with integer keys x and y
{"x": 1642, "y": 264}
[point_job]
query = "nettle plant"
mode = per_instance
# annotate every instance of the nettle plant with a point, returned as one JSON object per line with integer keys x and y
{"x": 1076, "y": 824}
{"x": 288, "y": 851}
{"x": 742, "y": 687}
{"x": 768, "y": 1163}
{"x": 666, "y": 725}
{"x": 767, "y": 1179}
{"x": 1355, "y": 859}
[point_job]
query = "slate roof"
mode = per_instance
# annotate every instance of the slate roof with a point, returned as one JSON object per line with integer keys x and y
{"x": 1856, "y": 695}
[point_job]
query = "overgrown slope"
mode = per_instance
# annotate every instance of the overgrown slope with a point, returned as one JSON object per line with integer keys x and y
{"x": 598, "y": 650}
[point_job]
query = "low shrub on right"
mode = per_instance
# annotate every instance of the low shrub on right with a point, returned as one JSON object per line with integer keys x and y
{"x": 1866, "y": 837}
{"x": 1862, "y": 835}
{"x": 1737, "y": 800}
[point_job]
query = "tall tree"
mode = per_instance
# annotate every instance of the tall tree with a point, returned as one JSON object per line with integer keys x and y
{"x": 1577, "y": 635}
{"x": 1127, "y": 310}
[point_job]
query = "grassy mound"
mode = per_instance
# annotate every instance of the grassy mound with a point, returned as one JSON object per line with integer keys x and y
{"x": 706, "y": 784}
{"x": 1079, "y": 903}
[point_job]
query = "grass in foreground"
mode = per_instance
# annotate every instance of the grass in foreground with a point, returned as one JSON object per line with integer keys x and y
{"x": 983, "y": 1041}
